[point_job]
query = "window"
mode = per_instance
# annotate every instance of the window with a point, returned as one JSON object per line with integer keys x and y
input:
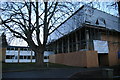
{"x": 25, "y": 57}
{"x": 29, "y": 57}
{"x": 16, "y": 57}
{"x": 101, "y": 22}
{"x": 33, "y": 57}
{"x": 45, "y": 57}
{"x": 8, "y": 57}
{"x": 97, "y": 22}
{"x": 12, "y": 57}
{"x": 21, "y": 57}
{"x": 8, "y": 48}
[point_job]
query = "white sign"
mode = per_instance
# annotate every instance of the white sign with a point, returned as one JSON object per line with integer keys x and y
{"x": 101, "y": 46}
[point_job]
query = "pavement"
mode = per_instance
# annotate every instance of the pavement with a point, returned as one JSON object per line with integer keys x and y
{"x": 58, "y": 74}
{"x": 53, "y": 73}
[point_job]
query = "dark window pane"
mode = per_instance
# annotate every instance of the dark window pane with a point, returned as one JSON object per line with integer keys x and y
{"x": 12, "y": 57}
{"x": 8, "y": 57}
{"x": 46, "y": 57}
{"x": 16, "y": 57}
{"x": 21, "y": 57}
{"x": 33, "y": 57}
{"x": 28, "y": 57}
{"x": 25, "y": 57}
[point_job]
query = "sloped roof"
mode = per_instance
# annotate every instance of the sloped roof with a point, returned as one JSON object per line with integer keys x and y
{"x": 86, "y": 15}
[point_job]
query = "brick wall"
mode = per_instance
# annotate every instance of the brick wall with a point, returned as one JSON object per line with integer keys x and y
{"x": 113, "y": 48}
{"x": 81, "y": 58}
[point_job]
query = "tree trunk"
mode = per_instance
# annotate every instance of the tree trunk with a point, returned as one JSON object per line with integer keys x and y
{"x": 118, "y": 7}
{"x": 40, "y": 59}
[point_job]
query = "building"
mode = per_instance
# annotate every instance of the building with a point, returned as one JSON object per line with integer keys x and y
{"x": 88, "y": 38}
{"x": 46, "y": 55}
{"x": 20, "y": 54}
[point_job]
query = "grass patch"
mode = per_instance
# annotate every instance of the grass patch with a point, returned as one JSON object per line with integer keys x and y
{"x": 30, "y": 66}
{"x": 53, "y": 65}
{"x": 16, "y": 66}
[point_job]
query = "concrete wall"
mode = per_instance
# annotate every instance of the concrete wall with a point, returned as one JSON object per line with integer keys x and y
{"x": 81, "y": 58}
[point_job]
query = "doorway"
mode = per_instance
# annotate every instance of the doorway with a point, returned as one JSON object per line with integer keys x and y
{"x": 103, "y": 59}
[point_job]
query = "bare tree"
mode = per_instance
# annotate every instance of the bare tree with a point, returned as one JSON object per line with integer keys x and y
{"x": 118, "y": 7}
{"x": 30, "y": 20}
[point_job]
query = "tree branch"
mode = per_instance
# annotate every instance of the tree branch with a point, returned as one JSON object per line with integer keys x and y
{"x": 52, "y": 12}
{"x": 15, "y": 32}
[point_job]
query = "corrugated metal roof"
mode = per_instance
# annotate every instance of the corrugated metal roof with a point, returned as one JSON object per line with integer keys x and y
{"x": 88, "y": 15}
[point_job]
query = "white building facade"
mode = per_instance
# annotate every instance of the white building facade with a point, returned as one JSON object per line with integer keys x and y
{"x": 18, "y": 54}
